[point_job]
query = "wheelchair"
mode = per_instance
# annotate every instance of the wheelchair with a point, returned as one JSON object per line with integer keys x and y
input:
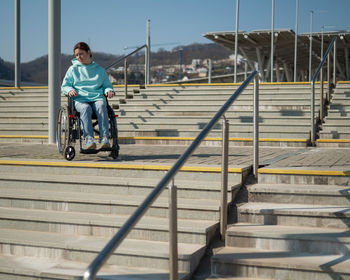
{"x": 69, "y": 131}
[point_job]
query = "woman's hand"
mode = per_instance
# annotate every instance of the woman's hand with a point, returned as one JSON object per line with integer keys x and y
{"x": 110, "y": 94}
{"x": 72, "y": 93}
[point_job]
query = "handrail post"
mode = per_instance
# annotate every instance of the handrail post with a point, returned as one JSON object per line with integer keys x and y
{"x": 312, "y": 112}
{"x": 173, "y": 251}
{"x": 334, "y": 62}
{"x": 126, "y": 78}
{"x": 256, "y": 127}
{"x": 210, "y": 66}
{"x": 329, "y": 78}
{"x": 321, "y": 96}
{"x": 17, "y": 43}
{"x": 224, "y": 177}
{"x": 148, "y": 53}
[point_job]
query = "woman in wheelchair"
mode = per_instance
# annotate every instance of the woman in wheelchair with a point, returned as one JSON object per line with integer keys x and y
{"x": 88, "y": 85}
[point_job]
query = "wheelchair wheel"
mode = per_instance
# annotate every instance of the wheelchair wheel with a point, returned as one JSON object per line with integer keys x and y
{"x": 69, "y": 153}
{"x": 114, "y": 154}
{"x": 113, "y": 134}
{"x": 62, "y": 129}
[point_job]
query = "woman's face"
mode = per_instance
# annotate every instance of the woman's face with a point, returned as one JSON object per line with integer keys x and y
{"x": 83, "y": 56}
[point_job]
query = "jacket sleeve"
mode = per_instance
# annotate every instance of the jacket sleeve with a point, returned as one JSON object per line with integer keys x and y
{"x": 107, "y": 85}
{"x": 67, "y": 84}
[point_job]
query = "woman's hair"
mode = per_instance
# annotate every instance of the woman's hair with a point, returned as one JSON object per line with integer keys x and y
{"x": 82, "y": 46}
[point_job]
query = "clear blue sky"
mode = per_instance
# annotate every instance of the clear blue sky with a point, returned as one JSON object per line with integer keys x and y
{"x": 110, "y": 25}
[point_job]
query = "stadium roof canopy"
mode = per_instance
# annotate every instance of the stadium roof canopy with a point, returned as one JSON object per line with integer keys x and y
{"x": 255, "y": 47}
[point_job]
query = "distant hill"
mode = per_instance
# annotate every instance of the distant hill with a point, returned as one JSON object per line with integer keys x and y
{"x": 35, "y": 71}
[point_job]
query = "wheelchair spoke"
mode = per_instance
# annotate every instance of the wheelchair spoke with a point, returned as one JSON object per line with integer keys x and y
{"x": 62, "y": 126}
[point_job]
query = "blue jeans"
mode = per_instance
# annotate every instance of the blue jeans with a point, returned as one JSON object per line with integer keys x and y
{"x": 100, "y": 109}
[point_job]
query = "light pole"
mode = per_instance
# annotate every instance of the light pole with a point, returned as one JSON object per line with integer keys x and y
{"x": 148, "y": 53}
{"x": 310, "y": 51}
{"x": 236, "y": 39}
{"x": 296, "y": 40}
{"x": 17, "y": 43}
{"x": 272, "y": 36}
{"x": 54, "y": 64}
{"x": 180, "y": 63}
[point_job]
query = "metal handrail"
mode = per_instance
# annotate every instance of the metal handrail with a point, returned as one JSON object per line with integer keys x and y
{"x": 313, "y": 81}
{"x": 125, "y": 57}
{"x": 116, "y": 240}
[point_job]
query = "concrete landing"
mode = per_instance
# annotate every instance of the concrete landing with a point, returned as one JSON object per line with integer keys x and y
{"x": 274, "y": 157}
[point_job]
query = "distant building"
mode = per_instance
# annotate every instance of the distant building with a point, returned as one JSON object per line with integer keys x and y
{"x": 196, "y": 62}
{"x": 202, "y": 72}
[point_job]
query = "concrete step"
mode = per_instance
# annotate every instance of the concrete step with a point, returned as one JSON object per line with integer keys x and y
{"x": 23, "y": 92}
{"x": 132, "y": 252}
{"x": 28, "y": 97}
{"x": 333, "y": 143}
{"x": 104, "y": 225}
{"x": 111, "y": 185}
{"x": 214, "y": 133}
{"x": 165, "y": 99}
{"x": 24, "y": 109}
{"x": 339, "y": 127}
{"x": 141, "y": 113}
{"x": 23, "y": 115}
{"x": 299, "y": 193}
{"x": 331, "y": 121}
{"x": 302, "y": 175}
{"x": 24, "y": 119}
{"x": 25, "y": 126}
{"x": 35, "y": 102}
{"x": 123, "y": 170}
{"x": 334, "y": 135}
{"x": 210, "y": 112}
{"x": 294, "y": 214}
{"x": 176, "y": 124}
{"x": 31, "y": 268}
{"x": 204, "y": 209}
{"x": 26, "y": 131}
{"x": 131, "y": 132}
{"x": 342, "y": 85}
{"x": 251, "y": 262}
{"x": 270, "y": 104}
{"x": 237, "y": 120}
{"x": 339, "y": 114}
{"x": 340, "y": 103}
{"x": 173, "y": 107}
{"x": 243, "y": 124}
{"x": 293, "y": 239}
{"x": 213, "y": 97}
{"x": 216, "y": 86}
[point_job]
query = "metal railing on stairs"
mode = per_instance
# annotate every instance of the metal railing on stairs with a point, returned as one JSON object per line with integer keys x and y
{"x": 117, "y": 239}
{"x": 125, "y": 59}
{"x": 323, "y": 100}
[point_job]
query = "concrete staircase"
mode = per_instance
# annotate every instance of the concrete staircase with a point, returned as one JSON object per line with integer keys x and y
{"x": 56, "y": 217}
{"x": 24, "y": 112}
{"x": 182, "y": 112}
{"x": 293, "y": 226}
{"x": 178, "y": 112}
{"x": 336, "y": 128}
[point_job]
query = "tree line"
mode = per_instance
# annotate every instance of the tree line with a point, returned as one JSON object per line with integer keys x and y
{"x": 35, "y": 71}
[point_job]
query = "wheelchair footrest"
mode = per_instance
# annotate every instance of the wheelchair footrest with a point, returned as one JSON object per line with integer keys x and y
{"x": 95, "y": 151}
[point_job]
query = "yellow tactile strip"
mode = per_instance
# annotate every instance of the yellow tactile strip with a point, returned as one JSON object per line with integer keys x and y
{"x": 333, "y": 140}
{"x": 303, "y": 172}
{"x": 117, "y": 166}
